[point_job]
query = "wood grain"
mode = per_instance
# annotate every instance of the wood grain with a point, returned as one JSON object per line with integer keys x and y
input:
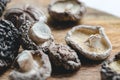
{"x": 88, "y": 71}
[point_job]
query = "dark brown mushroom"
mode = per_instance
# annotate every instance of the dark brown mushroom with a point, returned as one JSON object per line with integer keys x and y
{"x": 19, "y": 15}
{"x": 9, "y": 43}
{"x": 33, "y": 65}
{"x": 64, "y": 57}
{"x": 67, "y": 10}
{"x": 111, "y": 69}
{"x": 35, "y": 35}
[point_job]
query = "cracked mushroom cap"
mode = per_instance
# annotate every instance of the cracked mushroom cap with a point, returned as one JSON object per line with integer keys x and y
{"x": 33, "y": 65}
{"x": 3, "y": 4}
{"x": 111, "y": 69}
{"x": 67, "y": 10}
{"x": 35, "y": 35}
{"x": 90, "y": 41}
{"x": 63, "y": 56}
{"x": 9, "y": 43}
{"x": 19, "y": 15}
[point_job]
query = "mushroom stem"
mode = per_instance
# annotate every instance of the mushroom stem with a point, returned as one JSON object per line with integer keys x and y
{"x": 39, "y": 33}
{"x": 25, "y": 61}
{"x": 94, "y": 41}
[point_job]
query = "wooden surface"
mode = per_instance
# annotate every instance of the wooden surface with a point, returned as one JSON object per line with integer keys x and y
{"x": 88, "y": 71}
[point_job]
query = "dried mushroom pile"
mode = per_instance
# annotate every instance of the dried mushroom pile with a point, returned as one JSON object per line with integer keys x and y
{"x": 27, "y": 27}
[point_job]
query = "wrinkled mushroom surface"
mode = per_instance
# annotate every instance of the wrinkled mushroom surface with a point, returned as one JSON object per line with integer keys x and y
{"x": 3, "y": 4}
{"x": 63, "y": 56}
{"x": 67, "y": 10}
{"x": 9, "y": 43}
{"x": 33, "y": 65}
{"x": 19, "y": 15}
{"x": 111, "y": 69}
{"x": 90, "y": 41}
{"x": 35, "y": 35}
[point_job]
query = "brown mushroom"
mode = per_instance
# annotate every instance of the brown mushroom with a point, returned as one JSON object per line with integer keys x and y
{"x": 19, "y": 15}
{"x": 35, "y": 35}
{"x": 63, "y": 56}
{"x": 90, "y": 41}
{"x": 33, "y": 65}
{"x": 67, "y": 10}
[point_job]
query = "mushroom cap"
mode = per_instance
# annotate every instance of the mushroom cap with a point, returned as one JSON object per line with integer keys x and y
{"x": 29, "y": 39}
{"x": 16, "y": 16}
{"x": 40, "y": 72}
{"x": 110, "y": 69}
{"x": 19, "y": 15}
{"x": 9, "y": 43}
{"x": 90, "y": 41}
{"x": 67, "y": 10}
{"x": 35, "y": 13}
{"x": 63, "y": 56}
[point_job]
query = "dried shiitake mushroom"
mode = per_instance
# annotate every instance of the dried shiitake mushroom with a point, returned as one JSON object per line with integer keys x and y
{"x": 111, "y": 69}
{"x": 35, "y": 13}
{"x": 3, "y": 4}
{"x": 63, "y": 56}
{"x": 67, "y": 10}
{"x": 18, "y": 15}
{"x": 33, "y": 65}
{"x": 90, "y": 41}
{"x": 35, "y": 35}
{"x": 9, "y": 43}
